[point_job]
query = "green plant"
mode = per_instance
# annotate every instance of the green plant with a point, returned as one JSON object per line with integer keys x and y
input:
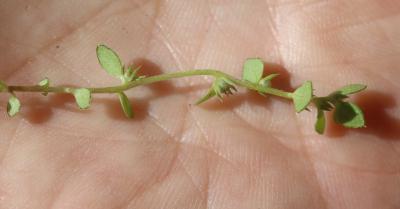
{"x": 345, "y": 113}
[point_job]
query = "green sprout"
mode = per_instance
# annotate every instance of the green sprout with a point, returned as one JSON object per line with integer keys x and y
{"x": 345, "y": 113}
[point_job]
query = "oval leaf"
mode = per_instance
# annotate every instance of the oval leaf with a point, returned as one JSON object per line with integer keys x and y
{"x": 44, "y": 83}
{"x": 352, "y": 88}
{"x": 302, "y": 96}
{"x": 349, "y": 115}
{"x": 13, "y": 106}
{"x": 109, "y": 60}
{"x": 320, "y": 124}
{"x": 82, "y": 97}
{"x": 253, "y": 70}
{"x": 126, "y": 105}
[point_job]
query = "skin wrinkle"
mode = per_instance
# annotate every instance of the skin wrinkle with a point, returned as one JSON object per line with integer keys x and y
{"x": 10, "y": 41}
{"x": 191, "y": 178}
{"x": 393, "y": 146}
{"x": 294, "y": 2}
{"x": 249, "y": 125}
{"x": 305, "y": 4}
{"x": 386, "y": 34}
{"x": 207, "y": 185}
{"x": 60, "y": 186}
{"x": 309, "y": 159}
{"x": 53, "y": 42}
{"x": 203, "y": 37}
{"x": 172, "y": 49}
{"x": 207, "y": 140}
{"x": 64, "y": 66}
{"x": 355, "y": 169}
{"x": 158, "y": 29}
{"x": 379, "y": 75}
{"x": 214, "y": 20}
{"x": 358, "y": 23}
{"x": 10, "y": 141}
{"x": 142, "y": 190}
{"x": 275, "y": 33}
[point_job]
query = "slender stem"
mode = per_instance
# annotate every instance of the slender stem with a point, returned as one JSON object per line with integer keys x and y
{"x": 154, "y": 79}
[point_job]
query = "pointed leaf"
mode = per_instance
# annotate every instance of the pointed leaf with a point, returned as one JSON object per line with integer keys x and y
{"x": 320, "y": 123}
{"x": 352, "y": 88}
{"x": 349, "y": 115}
{"x": 210, "y": 94}
{"x": 253, "y": 70}
{"x": 266, "y": 81}
{"x": 13, "y": 106}
{"x": 130, "y": 74}
{"x": 323, "y": 103}
{"x": 302, "y": 96}
{"x": 223, "y": 86}
{"x": 125, "y": 104}
{"x": 109, "y": 60}
{"x": 82, "y": 97}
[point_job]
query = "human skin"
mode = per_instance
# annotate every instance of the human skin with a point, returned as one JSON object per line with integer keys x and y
{"x": 247, "y": 152}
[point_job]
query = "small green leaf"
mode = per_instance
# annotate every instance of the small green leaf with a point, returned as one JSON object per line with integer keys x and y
{"x": 13, "y": 105}
{"x": 352, "y": 88}
{"x": 109, "y": 60}
{"x": 320, "y": 123}
{"x": 253, "y": 70}
{"x": 82, "y": 97}
{"x": 45, "y": 83}
{"x": 302, "y": 96}
{"x": 349, "y": 115}
{"x": 211, "y": 93}
{"x": 126, "y": 105}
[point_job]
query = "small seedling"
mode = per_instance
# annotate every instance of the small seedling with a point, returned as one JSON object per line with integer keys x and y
{"x": 345, "y": 113}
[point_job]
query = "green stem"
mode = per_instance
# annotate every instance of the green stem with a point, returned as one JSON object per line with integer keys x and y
{"x": 154, "y": 79}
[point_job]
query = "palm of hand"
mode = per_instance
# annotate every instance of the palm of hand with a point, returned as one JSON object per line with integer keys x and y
{"x": 250, "y": 152}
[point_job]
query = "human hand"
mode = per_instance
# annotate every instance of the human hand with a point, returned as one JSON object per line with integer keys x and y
{"x": 248, "y": 152}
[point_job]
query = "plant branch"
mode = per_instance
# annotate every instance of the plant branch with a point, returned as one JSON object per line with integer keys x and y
{"x": 155, "y": 79}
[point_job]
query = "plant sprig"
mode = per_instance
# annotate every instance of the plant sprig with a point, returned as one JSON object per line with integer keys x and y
{"x": 345, "y": 113}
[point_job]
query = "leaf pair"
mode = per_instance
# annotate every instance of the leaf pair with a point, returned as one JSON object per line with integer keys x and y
{"x": 345, "y": 113}
{"x": 111, "y": 63}
{"x": 253, "y": 71}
